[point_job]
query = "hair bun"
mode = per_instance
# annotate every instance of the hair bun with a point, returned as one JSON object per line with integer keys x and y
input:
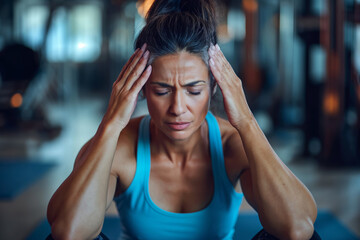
{"x": 203, "y": 9}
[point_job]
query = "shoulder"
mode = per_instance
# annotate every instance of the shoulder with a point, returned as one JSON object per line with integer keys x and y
{"x": 125, "y": 154}
{"x": 128, "y": 135}
{"x": 226, "y": 129}
{"x": 234, "y": 153}
{"x": 228, "y": 133}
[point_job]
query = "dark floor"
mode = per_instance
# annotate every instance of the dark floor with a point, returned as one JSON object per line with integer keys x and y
{"x": 335, "y": 190}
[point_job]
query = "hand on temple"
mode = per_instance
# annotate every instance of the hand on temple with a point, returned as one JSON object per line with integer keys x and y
{"x": 236, "y": 106}
{"x": 126, "y": 88}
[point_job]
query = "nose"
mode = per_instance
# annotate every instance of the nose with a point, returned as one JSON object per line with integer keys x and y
{"x": 178, "y": 104}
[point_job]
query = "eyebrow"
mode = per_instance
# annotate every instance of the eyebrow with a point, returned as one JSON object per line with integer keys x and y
{"x": 190, "y": 84}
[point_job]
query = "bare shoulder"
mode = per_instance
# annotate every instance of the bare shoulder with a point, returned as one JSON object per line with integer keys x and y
{"x": 226, "y": 129}
{"x": 128, "y": 136}
{"x": 126, "y": 145}
{"x": 234, "y": 153}
{"x": 124, "y": 164}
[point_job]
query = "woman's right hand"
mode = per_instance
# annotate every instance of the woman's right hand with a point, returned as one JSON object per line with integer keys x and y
{"x": 126, "y": 89}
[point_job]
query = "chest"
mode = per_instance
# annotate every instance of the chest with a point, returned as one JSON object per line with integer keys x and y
{"x": 181, "y": 188}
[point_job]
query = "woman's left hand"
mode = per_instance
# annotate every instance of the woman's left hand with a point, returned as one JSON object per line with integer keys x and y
{"x": 235, "y": 103}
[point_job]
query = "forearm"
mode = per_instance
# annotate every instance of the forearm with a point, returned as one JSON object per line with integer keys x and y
{"x": 282, "y": 201}
{"x": 280, "y": 198}
{"x": 80, "y": 202}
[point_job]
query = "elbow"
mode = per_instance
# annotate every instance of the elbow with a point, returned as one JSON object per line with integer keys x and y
{"x": 59, "y": 231}
{"x": 302, "y": 227}
{"x": 302, "y": 230}
{"x": 64, "y": 230}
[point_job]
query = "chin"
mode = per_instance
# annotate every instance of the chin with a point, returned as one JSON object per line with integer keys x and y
{"x": 178, "y": 135}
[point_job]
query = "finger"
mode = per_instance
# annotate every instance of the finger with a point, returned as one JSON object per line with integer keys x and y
{"x": 129, "y": 65}
{"x": 214, "y": 67}
{"x": 140, "y": 82}
{"x": 134, "y": 62}
{"x": 223, "y": 66}
{"x": 125, "y": 67}
{"x": 224, "y": 62}
{"x": 218, "y": 57}
{"x": 137, "y": 71}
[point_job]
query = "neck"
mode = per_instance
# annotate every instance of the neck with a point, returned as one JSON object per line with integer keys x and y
{"x": 180, "y": 151}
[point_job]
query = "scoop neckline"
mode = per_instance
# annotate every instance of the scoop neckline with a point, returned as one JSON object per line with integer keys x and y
{"x": 178, "y": 214}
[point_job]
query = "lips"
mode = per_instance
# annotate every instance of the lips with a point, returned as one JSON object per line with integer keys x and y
{"x": 178, "y": 126}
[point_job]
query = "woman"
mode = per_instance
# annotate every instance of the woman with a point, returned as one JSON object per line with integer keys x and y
{"x": 173, "y": 173}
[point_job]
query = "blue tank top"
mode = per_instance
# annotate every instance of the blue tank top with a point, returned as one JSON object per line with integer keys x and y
{"x": 141, "y": 218}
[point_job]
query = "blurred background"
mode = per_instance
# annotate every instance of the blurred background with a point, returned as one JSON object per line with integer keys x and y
{"x": 299, "y": 62}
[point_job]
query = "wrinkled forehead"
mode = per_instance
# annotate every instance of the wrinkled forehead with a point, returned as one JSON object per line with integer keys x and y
{"x": 179, "y": 68}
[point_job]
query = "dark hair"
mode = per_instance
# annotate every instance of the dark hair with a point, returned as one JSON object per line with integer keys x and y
{"x": 180, "y": 25}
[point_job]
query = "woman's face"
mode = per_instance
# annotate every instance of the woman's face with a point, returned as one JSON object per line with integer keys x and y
{"x": 178, "y": 94}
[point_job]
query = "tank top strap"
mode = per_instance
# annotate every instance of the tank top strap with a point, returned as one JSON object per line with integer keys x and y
{"x": 142, "y": 157}
{"x": 143, "y": 154}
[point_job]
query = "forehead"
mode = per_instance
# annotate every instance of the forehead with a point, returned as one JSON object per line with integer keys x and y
{"x": 182, "y": 67}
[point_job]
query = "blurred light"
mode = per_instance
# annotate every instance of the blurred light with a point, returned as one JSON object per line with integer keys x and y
{"x": 331, "y": 103}
{"x": 85, "y": 33}
{"x": 357, "y": 48}
{"x": 314, "y": 146}
{"x": 351, "y": 117}
{"x": 57, "y": 37}
{"x": 236, "y": 24}
{"x": 81, "y": 45}
{"x": 318, "y": 7}
{"x": 264, "y": 121}
{"x": 144, "y": 6}
{"x": 75, "y": 34}
{"x": 224, "y": 34}
{"x": 250, "y": 5}
{"x": 317, "y": 63}
{"x": 34, "y": 18}
{"x": 16, "y": 100}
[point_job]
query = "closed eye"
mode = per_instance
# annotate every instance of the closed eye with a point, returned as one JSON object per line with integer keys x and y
{"x": 161, "y": 93}
{"x": 196, "y": 90}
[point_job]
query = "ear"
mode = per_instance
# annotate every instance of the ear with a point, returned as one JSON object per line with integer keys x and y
{"x": 214, "y": 90}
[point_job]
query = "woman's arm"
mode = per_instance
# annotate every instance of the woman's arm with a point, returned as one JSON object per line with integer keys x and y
{"x": 77, "y": 209}
{"x": 285, "y": 206}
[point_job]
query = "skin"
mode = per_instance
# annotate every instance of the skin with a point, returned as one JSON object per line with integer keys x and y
{"x": 285, "y": 206}
{"x": 178, "y": 91}
{"x": 178, "y": 94}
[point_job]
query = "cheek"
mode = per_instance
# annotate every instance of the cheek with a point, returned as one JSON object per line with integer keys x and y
{"x": 156, "y": 106}
{"x": 199, "y": 105}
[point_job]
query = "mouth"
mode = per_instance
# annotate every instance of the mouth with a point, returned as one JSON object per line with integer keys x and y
{"x": 178, "y": 126}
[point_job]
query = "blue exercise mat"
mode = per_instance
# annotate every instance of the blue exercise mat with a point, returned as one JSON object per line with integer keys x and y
{"x": 247, "y": 225}
{"x": 16, "y": 176}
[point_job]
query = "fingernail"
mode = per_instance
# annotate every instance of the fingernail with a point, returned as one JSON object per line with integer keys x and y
{"x": 217, "y": 47}
{"x": 143, "y": 47}
{"x": 149, "y": 68}
{"x": 212, "y": 61}
{"x": 211, "y": 49}
{"x": 146, "y": 55}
